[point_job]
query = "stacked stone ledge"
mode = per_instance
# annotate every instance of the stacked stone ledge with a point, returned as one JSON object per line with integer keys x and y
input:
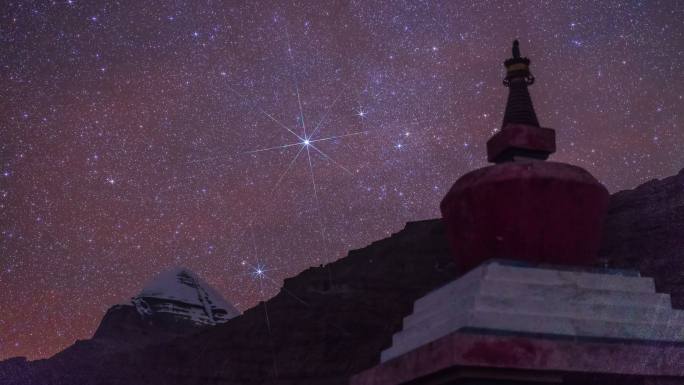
{"x": 500, "y": 297}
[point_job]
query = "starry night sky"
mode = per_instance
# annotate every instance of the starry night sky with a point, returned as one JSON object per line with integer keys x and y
{"x": 128, "y": 131}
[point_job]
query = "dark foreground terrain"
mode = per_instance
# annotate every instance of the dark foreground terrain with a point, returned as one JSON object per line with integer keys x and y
{"x": 330, "y": 322}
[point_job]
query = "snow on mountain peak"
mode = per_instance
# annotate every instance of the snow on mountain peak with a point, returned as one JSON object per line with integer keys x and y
{"x": 181, "y": 293}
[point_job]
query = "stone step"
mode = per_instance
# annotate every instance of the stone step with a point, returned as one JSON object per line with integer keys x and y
{"x": 460, "y": 297}
{"x": 416, "y": 336}
{"x": 589, "y": 280}
{"x": 578, "y": 310}
{"x": 598, "y": 307}
{"x": 548, "y": 307}
{"x": 511, "y": 298}
{"x": 658, "y": 330}
{"x": 456, "y": 302}
{"x": 573, "y": 293}
{"x": 465, "y": 285}
{"x": 512, "y": 279}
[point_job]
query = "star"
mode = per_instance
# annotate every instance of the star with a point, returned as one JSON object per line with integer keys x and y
{"x": 136, "y": 139}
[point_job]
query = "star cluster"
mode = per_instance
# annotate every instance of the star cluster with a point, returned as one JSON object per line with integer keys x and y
{"x": 132, "y": 132}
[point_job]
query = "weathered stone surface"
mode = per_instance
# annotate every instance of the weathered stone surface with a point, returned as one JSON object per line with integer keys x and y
{"x": 476, "y": 301}
{"x": 644, "y": 230}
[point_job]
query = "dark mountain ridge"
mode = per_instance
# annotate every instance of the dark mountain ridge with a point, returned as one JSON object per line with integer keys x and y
{"x": 332, "y": 321}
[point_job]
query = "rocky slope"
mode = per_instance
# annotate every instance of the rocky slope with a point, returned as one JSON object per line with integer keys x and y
{"x": 332, "y": 321}
{"x": 326, "y": 324}
{"x": 645, "y": 230}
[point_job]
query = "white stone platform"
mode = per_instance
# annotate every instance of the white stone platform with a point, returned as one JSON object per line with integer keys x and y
{"x": 504, "y": 297}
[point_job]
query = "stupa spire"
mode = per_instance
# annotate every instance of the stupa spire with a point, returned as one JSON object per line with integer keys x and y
{"x": 521, "y": 138}
{"x": 519, "y": 109}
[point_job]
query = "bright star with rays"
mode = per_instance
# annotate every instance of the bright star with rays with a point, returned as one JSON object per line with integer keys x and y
{"x": 308, "y": 143}
{"x": 306, "y": 140}
{"x": 258, "y": 273}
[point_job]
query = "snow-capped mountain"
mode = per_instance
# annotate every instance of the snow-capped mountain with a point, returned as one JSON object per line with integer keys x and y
{"x": 176, "y": 302}
{"x": 182, "y": 294}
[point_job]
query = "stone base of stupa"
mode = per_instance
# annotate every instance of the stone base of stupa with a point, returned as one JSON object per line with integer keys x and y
{"x": 507, "y": 323}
